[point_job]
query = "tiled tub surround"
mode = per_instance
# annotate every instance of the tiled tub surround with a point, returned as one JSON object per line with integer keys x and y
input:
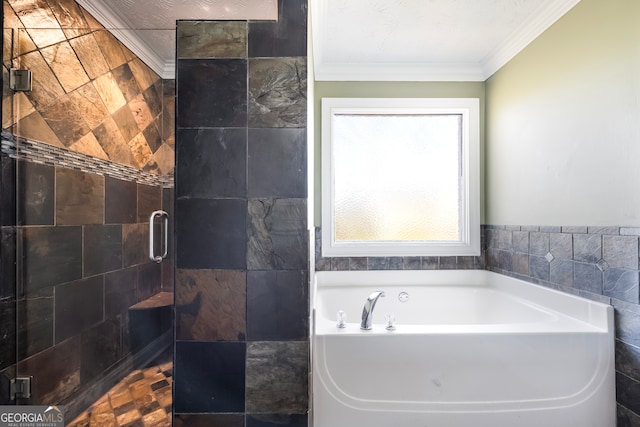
{"x": 80, "y": 243}
{"x": 242, "y": 349}
{"x": 393, "y": 263}
{"x": 600, "y": 263}
{"x": 90, "y": 93}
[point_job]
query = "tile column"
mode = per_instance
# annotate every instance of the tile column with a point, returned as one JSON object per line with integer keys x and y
{"x": 242, "y": 348}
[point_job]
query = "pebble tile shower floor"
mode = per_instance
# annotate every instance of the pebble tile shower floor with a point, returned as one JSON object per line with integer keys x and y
{"x": 142, "y": 399}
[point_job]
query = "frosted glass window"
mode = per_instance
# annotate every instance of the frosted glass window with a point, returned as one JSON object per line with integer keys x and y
{"x": 396, "y": 177}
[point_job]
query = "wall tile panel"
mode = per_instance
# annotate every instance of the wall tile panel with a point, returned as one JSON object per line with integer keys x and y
{"x": 50, "y": 256}
{"x": 628, "y": 392}
{"x": 211, "y": 233}
{"x": 120, "y": 289}
{"x": 212, "y": 163}
{"x": 79, "y": 198}
{"x": 278, "y": 92}
{"x": 211, "y": 305}
{"x": 277, "y": 163}
{"x": 149, "y": 200}
{"x": 8, "y": 263}
{"x": 35, "y": 322}
{"x": 222, "y": 389}
{"x": 55, "y": 371}
{"x": 78, "y": 306}
{"x": 587, "y": 247}
{"x": 135, "y": 238}
{"x": 622, "y": 284}
{"x": 8, "y": 333}
{"x": 224, "y": 77}
{"x": 273, "y": 386}
{"x": 99, "y": 349}
{"x": 212, "y": 39}
{"x": 276, "y": 233}
{"x": 7, "y": 191}
{"x": 149, "y": 280}
{"x": 587, "y": 277}
{"x": 36, "y": 196}
{"x": 620, "y": 251}
{"x": 121, "y": 201}
{"x": 277, "y": 308}
{"x": 102, "y": 249}
{"x": 274, "y": 39}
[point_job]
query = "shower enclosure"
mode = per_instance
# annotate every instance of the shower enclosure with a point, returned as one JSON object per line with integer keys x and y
{"x": 83, "y": 268}
{"x": 86, "y": 298}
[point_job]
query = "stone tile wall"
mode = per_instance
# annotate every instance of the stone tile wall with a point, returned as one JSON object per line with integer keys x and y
{"x": 600, "y": 263}
{"x": 241, "y": 287}
{"x": 86, "y": 156}
{"x": 393, "y": 263}
{"x": 74, "y": 253}
{"x": 90, "y": 93}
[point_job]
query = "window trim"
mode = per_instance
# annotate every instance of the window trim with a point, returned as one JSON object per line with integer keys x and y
{"x": 469, "y": 243}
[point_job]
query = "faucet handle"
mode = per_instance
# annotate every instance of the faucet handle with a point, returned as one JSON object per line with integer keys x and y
{"x": 391, "y": 322}
{"x": 342, "y": 319}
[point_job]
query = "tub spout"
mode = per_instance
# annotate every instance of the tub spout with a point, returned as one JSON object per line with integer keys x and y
{"x": 367, "y": 311}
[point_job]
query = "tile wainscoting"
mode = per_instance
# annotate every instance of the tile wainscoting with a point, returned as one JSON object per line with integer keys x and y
{"x": 599, "y": 263}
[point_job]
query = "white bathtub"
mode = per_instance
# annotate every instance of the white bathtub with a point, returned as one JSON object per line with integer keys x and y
{"x": 471, "y": 348}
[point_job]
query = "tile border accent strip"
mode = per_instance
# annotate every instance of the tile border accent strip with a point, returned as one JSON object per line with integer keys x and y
{"x": 38, "y": 152}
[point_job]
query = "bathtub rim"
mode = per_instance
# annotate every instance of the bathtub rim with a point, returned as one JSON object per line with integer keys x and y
{"x": 572, "y": 308}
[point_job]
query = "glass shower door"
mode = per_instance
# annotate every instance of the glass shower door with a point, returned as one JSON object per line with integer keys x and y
{"x": 89, "y": 152}
{"x": 8, "y": 176}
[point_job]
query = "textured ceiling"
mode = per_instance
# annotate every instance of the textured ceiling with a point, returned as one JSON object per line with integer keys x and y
{"x": 425, "y": 40}
{"x": 464, "y": 40}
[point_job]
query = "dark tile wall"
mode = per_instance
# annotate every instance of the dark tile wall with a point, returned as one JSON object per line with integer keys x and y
{"x": 8, "y": 303}
{"x": 70, "y": 273}
{"x": 600, "y": 263}
{"x": 242, "y": 276}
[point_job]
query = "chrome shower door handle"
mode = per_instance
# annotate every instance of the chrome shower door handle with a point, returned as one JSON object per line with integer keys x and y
{"x": 165, "y": 229}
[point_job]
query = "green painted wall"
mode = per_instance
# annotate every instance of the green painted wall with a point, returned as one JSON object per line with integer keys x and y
{"x": 563, "y": 123}
{"x": 388, "y": 90}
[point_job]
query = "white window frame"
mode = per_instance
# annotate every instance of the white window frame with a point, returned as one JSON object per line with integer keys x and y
{"x": 469, "y": 243}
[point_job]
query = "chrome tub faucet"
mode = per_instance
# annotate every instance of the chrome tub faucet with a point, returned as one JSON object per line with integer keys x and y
{"x": 367, "y": 311}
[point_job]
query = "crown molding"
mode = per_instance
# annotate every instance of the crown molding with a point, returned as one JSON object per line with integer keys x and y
{"x": 545, "y": 17}
{"x": 382, "y": 71}
{"x": 120, "y": 28}
{"x": 169, "y": 71}
{"x": 386, "y": 71}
